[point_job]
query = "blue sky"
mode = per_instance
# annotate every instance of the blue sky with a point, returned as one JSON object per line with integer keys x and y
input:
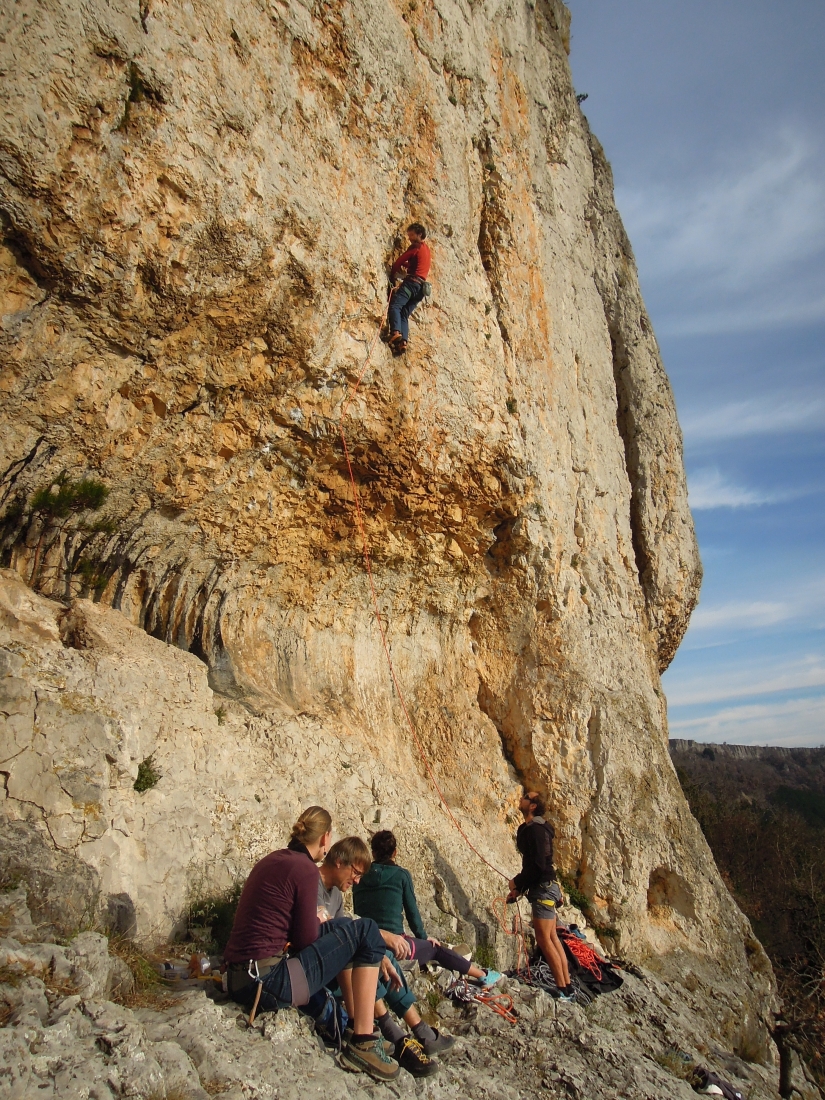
{"x": 712, "y": 115}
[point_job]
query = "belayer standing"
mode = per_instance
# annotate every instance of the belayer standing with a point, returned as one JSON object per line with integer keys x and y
{"x": 415, "y": 263}
{"x": 537, "y": 879}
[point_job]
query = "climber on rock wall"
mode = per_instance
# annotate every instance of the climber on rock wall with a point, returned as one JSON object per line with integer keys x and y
{"x": 415, "y": 263}
{"x": 537, "y": 879}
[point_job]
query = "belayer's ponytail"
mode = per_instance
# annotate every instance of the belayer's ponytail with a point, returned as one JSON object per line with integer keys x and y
{"x": 311, "y": 825}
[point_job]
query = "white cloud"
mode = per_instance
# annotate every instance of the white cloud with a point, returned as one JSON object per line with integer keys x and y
{"x": 756, "y": 679}
{"x": 769, "y": 414}
{"x": 739, "y": 249}
{"x": 743, "y": 613}
{"x": 802, "y": 601}
{"x": 709, "y": 489}
{"x": 794, "y": 722}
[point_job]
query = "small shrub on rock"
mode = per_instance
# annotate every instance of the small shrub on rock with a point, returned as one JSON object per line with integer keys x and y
{"x": 215, "y": 912}
{"x": 148, "y": 775}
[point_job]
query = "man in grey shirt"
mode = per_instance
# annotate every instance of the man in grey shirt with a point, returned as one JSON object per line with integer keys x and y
{"x": 346, "y": 861}
{"x": 330, "y": 896}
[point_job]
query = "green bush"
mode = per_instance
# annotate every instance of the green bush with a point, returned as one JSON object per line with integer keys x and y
{"x": 810, "y": 805}
{"x": 65, "y": 496}
{"x": 485, "y": 956}
{"x": 92, "y": 573}
{"x": 215, "y": 912}
{"x": 148, "y": 775}
{"x": 576, "y": 897}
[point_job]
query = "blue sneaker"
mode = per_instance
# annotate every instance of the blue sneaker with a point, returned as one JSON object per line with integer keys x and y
{"x": 491, "y": 978}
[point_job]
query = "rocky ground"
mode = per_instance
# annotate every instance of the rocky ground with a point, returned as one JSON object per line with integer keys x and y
{"x": 68, "y": 1033}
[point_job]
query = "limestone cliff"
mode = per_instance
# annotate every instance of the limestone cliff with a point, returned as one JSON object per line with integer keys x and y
{"x": 199, "y": 203}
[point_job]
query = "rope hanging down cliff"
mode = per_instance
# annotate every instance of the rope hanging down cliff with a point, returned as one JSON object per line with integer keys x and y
{"x": 359, "y": 515}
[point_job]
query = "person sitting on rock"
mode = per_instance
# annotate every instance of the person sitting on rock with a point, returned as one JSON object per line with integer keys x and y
{"x": 386, "y": 894}
{"x": 415, "y": 263}
{"x": 344, "y": 865}
{"x": 278, "y": 909}
{"x": 537, "y": 879}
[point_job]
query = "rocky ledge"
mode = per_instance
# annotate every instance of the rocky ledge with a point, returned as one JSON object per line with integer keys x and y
{"x": 75, "y": 1029}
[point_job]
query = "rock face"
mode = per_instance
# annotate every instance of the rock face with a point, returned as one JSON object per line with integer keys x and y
{"x": 198, "y": 206}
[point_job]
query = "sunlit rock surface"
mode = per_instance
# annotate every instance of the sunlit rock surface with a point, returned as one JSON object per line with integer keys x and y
{"x": 199, "y": 206}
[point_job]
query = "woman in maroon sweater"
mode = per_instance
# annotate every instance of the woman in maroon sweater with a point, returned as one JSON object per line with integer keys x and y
{"x": 280, "y": 955}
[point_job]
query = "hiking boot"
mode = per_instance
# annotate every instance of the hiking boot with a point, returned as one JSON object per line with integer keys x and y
{"x": 388, "y": 1046}
{"x": 439, "y": 1044}
{"x": 491, "y": 977}
{"x": 410, "y": 1055}
{"x": 370, "y": 1057}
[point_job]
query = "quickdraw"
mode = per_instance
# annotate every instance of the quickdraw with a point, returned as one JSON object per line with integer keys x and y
{"x": 501, "y": 1003}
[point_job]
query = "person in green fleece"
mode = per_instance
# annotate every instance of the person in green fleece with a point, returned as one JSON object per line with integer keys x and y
{"x": 386, "y": 894}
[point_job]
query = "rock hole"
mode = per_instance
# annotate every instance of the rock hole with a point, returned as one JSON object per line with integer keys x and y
{"x": 668, "y": 890}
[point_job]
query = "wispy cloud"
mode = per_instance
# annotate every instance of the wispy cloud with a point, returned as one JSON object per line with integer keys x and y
{"x": 743, "y": 613}
{"x": 708, "y": 688}
{"x": 744, "y": 249}
{"x": 794, "y": 722}
{"x": 708, "y": 489}
{"x": 802, "y": 602}
{"x": 768, "y": 414}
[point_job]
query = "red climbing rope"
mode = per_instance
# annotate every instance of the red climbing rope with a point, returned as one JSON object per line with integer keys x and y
{"x": 500, "y": 1003}
{"x": 584, "y": 954}
{"x": 468, "y": 993}
{"x": 366, "y": 549}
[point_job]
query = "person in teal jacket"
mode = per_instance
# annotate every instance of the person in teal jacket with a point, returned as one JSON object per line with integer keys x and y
{"x": 386, "y": 894}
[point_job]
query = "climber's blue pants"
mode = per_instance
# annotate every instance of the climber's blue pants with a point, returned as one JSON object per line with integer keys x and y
{"x": 404, "y": 300}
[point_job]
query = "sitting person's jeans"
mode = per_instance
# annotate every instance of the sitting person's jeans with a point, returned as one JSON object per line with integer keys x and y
{"x": 341, "y": 943}
{"x": 404, "y": 300}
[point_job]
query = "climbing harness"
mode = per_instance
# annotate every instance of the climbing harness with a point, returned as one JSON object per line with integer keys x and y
{"x": 359, "y": 515}
{"x": 460, "y": 989}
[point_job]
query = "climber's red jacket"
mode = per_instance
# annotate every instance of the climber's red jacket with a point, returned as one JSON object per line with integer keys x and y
{"x": 416, "y": 262}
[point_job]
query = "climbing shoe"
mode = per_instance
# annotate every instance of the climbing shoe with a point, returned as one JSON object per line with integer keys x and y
{"x": 394, "y": 338}
{"x": 491, "y": 977}
{"x": 439, "y": 1044}
{"x": 410, "y": 1055}
{"x": 370, "y": 1057}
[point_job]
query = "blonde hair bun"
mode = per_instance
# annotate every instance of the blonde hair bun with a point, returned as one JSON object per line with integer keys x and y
{"x": 311, "y": 825}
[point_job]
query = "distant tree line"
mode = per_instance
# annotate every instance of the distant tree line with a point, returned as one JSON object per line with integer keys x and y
{"x": 768, "y": 839}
